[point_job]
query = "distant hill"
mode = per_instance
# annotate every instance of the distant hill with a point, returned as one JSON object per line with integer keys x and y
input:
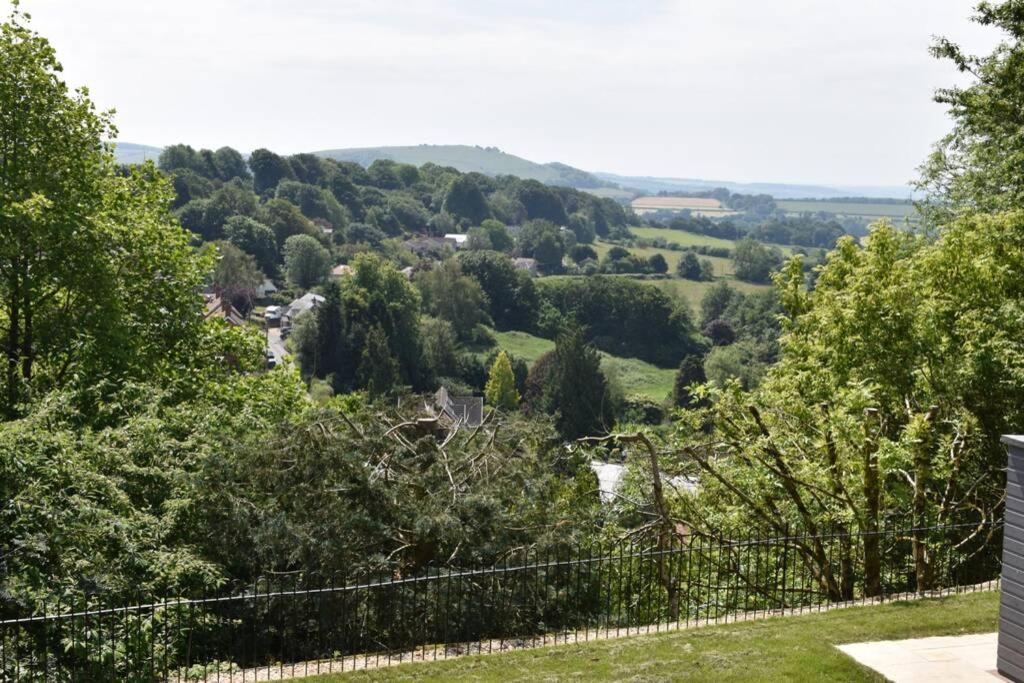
{"x": 131, "y": 153}
{"x": 492, "y": 161}
{"x": 468, "y": 158}
{"x": 778, "y": 190}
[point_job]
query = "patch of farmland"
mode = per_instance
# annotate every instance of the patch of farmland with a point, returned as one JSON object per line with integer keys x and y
{"x": 698, "y": 206}
{"x": 865, "y": 209}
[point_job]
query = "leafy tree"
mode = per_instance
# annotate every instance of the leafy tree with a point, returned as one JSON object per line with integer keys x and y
{"x": 579, "y": 390}
{"x": 512, "y": 293}
{"x": 236, "y": 276}
{"x": 306, "y": 261}
{"x": 737, "y": 361}
{"x": 378, "y": 369}
{"x": 582, "y": 252}
{"x": 657, "y": 263}
{"x": 497, "y": 234}
{"x": 97, "y": 279}
{"x": 268, "y": 169}
{"x": 625, "y": 317}
{"x": 285, "y": 219}
{"x": 313, "y": 202}
{"x": 720, "y": 332}
{"x": 542, "y": 240}
{"x": 583, "y": 228}
{"x": 541, "y": 202}
{"x": 716, "y": 301}
{"x": 501, "y": 384}
{"x": 230, "y": 164}
{"x": 255, "y": 239}
{"x": 754, "y": 261}
{"x": 691, "y": 371}
{"x": 977, "y": 165}
{"x": 189, "y": 185}
{"x": 440, "y": 345}
{"x": 448, "y": 294}
{"x": 332, "y": 349}
{"x": 689, "y": 266}
{"x": 465, "y": 201}
{"x": 184, "y": 157}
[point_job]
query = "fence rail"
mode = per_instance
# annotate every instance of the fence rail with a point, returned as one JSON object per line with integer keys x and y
{"x": 302, "y": 625}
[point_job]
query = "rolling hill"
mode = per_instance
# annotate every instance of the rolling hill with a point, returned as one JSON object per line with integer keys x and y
{"x": 470, "y": 158}
{"x": 131, "y": 153}
{"x": 493, "y": 161}
{"x": 655, "y": 184}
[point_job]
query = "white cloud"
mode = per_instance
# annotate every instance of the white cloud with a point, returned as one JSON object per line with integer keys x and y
{"x": 805, "y": 90}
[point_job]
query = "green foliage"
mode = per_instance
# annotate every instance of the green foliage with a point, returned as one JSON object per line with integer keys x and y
{"x": 306, "y": 261}
{"x": 511, "y": 293}
{"x": 378, "y": 369}
{"x": 754, "y": 261}
{"x": 977, "y": 165}
{"x": 236, "y": 276}
{"x": 625, "y": 317}
{"x": 542, "y": 240}
{"x": 500, "y": 391}
{"x": 690, "y": 373}
{"x": 465, "y": 201}
{"x": 578, "y": 390}
{"x": 255, "y": 239}
{"x": 98, "y": 281}
{"x": 268, "y": 169}
{"x": 448, "y": 294}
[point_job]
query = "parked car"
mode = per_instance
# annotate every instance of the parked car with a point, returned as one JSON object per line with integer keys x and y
{"x": 271, "y": 359}
{"x": 272, "y": 315}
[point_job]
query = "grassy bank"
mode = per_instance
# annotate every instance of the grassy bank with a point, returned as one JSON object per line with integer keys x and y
{"x": 800, "y": 648}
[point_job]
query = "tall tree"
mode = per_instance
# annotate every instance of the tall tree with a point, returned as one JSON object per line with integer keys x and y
{"x": 977, "y": 165}
{"x": 306, "y": 261}
{"x": 465, "y": 201}
{"x": 580, "y": 390}
{"x": 96, "y": 280}
{"x": 378, "y": 368}
{"x": 268, "y": 169}
{"x": 500, "y": 391}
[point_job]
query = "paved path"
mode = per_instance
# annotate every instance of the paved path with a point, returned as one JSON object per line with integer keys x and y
{"x": 953, "y": 659}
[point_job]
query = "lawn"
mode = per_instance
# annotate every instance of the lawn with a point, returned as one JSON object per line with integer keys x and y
{"x": 797, "y": 648}
{"x": 633, "y": 375}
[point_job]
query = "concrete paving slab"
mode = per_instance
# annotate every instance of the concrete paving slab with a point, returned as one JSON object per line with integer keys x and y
{"x": 945, "y": 659}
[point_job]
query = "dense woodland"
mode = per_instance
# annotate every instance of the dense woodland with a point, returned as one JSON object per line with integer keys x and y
{"x": 147, "y": 451}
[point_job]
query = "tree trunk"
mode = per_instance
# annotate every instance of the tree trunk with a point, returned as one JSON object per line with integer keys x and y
{"x": 873, "y": 498}
{"x": 842, "y": 530}
{"x": 922, "y": 472}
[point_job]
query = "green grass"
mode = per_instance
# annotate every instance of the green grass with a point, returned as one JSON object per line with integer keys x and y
{"x": 723, "y": 266}
{"x": 636, "y": 377}
{"x": 868, "y": 210}
{"x": 687, "y": 239}
{"x": 692, "y": 239}
{"x": 800, "y": 648}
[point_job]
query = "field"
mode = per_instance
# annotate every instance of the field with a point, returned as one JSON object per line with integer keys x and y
{"x": 698, "y": 206}
{"x": 633, "y": 375}
{"x": 692, "y": 239}
{"x": 723, "y": 266}
{"x": 793, "y": 648}
{"x": 866, "y": 210}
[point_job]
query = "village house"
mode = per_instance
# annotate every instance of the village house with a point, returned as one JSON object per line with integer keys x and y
{"x": 306, "y": 302}
{"x": 217, "y": 307}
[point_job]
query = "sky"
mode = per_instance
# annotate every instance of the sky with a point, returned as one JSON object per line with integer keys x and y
{"x": 815, "y": 91}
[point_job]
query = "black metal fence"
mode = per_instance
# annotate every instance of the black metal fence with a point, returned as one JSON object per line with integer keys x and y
{"x": 303, "y": 625}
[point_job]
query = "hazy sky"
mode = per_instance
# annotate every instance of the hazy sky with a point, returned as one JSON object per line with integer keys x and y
{"x": 826, "y": 91}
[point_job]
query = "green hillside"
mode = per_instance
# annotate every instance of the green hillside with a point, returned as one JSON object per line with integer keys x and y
{"x": 131, "y": 153}
{"x": 470, "y": 158}
{"x": 635, "y": 376}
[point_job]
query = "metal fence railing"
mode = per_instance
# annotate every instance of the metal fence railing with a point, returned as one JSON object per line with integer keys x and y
{"x": 303, "y": 625}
